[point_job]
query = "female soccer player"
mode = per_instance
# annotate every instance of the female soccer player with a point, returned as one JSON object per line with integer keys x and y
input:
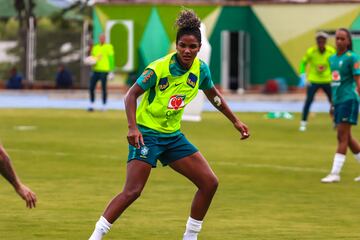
{"x": 319, "y": 77}
{"x": 345, "y": 99}
{"x": 169, "y": 84}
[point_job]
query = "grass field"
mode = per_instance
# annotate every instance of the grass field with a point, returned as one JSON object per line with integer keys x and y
{"x": 269, "y": 185}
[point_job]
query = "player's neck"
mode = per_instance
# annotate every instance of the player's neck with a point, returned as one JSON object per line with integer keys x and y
{"x": 341, "y": 52}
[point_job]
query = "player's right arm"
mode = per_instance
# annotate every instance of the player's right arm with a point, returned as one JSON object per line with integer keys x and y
{"x": 7, "y": 170}
{"x": 134, "y": 136}
{"x": 302, "y": 68}
{"x": 304, "y": 61}
{"x": 143, "y": 83}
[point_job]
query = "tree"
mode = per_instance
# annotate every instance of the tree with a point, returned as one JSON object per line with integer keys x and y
{"x": 25, "y": 11}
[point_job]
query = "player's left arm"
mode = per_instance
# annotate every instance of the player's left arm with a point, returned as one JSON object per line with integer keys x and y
{"x": 357, "y": 80}
{"x": 356, "y": 72}
{"x": 218, "y": 101}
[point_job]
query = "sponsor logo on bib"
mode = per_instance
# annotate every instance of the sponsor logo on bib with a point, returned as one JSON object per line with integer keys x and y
{"x": 176, "y": 102}
{"x": 321, "y": 68}
{"x": 336, "y": 76}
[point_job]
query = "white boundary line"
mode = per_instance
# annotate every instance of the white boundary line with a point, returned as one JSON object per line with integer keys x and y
{"x": 273, "y": 166}
{"x": 245, "y": 165}
{"x": 61, "y": 153}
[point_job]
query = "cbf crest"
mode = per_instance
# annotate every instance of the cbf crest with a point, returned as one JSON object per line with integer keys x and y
{"x": 192, "y": 79}
{"x": 144, "y": 151}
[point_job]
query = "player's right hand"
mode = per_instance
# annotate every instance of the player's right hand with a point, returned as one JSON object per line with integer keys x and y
{"x": 331, "y": 112}
{"x": 26, "y": 194}
{"x": 135, "y": 138}
{"x": 302, "y": 80}
{"x": 243, "y": 129}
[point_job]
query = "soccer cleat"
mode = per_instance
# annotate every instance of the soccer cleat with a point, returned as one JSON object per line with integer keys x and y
{"x": 357, "y": 179}
{"x": 302, "y": 128}
{"x": 331, "y": 178}
{"x": 90, "y": 109}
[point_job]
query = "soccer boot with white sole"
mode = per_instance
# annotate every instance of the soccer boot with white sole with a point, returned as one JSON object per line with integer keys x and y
{"x": 331, "y": 178}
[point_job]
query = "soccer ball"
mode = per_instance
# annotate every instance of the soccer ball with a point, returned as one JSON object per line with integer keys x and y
{"x": 90, "y": 60}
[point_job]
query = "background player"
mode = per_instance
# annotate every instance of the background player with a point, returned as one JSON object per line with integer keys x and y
{"x": 345, "y": 98}
{"x": 319, "y": 74}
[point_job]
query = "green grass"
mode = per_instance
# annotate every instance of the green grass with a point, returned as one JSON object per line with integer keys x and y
{"x": 269, "y": 185}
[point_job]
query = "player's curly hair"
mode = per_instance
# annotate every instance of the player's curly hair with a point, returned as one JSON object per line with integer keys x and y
{"x": 188, "y": 23}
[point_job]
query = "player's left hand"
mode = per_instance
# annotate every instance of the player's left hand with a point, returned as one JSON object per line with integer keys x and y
{"x": 26, "y": 194}
{"x": 110, "y": 76}
{"x": 243, "y": 129}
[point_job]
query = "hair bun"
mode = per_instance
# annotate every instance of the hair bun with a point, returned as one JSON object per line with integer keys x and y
{"x": 187, "y": 19}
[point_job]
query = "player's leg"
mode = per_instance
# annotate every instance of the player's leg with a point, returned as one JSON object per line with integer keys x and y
{"x": 343, "y": 134}
{"x": 92, "y": 85}
{"x": 327, "y": 90}
{"x": 137, "y": 175}
{"x": 104, "y": 89}
{"x": 354, "y": 144}
{"x": 197, "y": 170}
{"x": 310, "y": 93}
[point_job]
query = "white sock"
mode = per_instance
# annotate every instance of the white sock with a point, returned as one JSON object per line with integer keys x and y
{"x": 303, "y": 123}
{"x": 339, "y": 160}
{"x": 357, "y": 156}
{"x": 102, "y": 227}
{"x": 193, "y": 227}
{"x": 104, "y": 107}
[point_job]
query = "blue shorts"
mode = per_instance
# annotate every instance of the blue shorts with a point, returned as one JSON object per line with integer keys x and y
{"x": 166, "y": 149}
{"x": 346, "y": 112}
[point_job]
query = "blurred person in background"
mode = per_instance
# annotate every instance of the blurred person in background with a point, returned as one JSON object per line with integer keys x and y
{"x": 63, "y": 78}
{"x": 319, "y": 74}
{"x": 7, "y": 170}
{"x": 345, "y": 68}
{"x": 103, "y": 67}
{"x": 15, "y": 80}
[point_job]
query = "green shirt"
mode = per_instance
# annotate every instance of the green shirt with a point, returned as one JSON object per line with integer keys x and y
{"x": 104, "y": 54}
{"x": 319, "y": 69}
{"x": 344, "y": 68}
{"x": 148, "y": 80}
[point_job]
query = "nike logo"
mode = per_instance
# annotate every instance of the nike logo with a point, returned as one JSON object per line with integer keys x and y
{"x": 177, "y": 84}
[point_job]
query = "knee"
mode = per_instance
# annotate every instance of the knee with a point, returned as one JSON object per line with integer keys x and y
{"x": 212, "y": 184}
{"x": 343, "y": 139}
{"x": 132, "y": 194}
